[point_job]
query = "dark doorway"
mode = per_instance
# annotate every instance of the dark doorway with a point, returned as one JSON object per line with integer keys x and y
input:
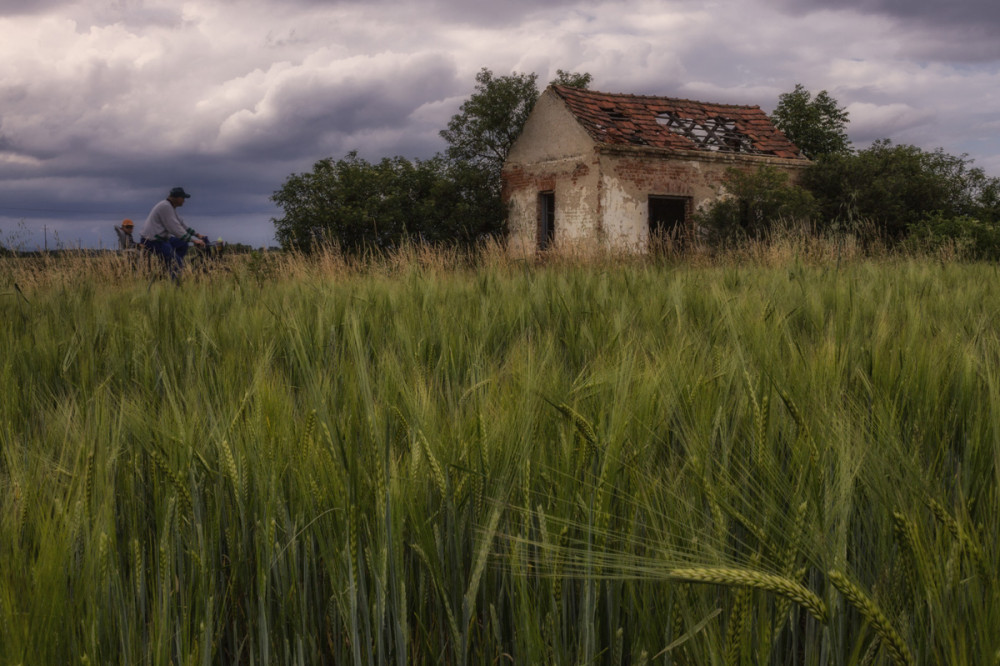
{"x": 667, "y": 217}
{"x": 546, "y": 219}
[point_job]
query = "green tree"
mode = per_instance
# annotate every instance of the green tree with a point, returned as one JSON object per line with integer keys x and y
{"x": 487, "y": 124}
{"x": 817, "y": 125}
{"x": 572, "y": 79}
{"x": 894, "y": 187}
{"x": 362, "y": 205}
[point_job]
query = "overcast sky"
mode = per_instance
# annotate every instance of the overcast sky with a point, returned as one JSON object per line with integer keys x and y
{"x": 107, "y": 104}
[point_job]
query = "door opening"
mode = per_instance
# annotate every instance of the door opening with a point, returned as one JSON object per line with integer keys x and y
{"x": 668, "y": 219}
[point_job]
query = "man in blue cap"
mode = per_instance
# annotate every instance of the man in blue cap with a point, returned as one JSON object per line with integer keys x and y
{"x": 165, "y": 232}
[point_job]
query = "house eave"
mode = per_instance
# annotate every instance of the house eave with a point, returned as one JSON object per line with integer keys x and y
{"x": 702, "y": 155}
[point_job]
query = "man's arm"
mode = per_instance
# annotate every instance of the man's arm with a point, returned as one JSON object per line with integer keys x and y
{"x": 175, "y": 224}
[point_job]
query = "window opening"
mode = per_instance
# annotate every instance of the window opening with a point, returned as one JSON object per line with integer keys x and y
{"x": 546, "y": 219}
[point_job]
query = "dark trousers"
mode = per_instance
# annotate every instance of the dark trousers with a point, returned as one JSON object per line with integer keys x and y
{"x": 172, "y": 252}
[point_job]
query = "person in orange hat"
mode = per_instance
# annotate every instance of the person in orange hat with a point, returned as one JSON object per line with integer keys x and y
{"x": 124, "y": 233}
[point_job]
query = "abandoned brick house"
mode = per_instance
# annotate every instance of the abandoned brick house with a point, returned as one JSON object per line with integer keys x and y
{"x": 617, "y": 170}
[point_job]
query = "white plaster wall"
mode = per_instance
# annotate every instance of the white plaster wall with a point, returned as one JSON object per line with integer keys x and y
{"x": 574, "y": 185}
{"x": 551, "y": 133}
{"x": 624, "y": 215}
{"x": 553, "y": 154}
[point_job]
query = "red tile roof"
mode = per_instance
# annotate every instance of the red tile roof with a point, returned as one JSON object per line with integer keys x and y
{"x": 675, "y": 124}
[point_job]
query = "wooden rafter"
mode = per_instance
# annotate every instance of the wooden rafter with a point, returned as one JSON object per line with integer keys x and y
{"x": 711, "y": 134}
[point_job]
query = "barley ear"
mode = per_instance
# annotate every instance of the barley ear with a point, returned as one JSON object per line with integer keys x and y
{"x": 309, "y": 431}
{"x": 175, "y": 478}
{"x": 437, "y": 472}
{"x": 780, "y": 585}
{"x": 619, "y": 647}
{"x": 905, "y": 533}
{"x": 88, "y": 484}
{"x": 901, "y": 655}
{"x": 800, "y": 422}
{"x": 229, "y": 461}
{"x": 946, "y": 519}
{"x": 738, "y": 626}
{"x": 583, "y": 427}
{"x": 872, "y": 652}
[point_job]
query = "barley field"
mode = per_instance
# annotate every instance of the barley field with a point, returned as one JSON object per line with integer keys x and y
{"x": 414, "y": 460}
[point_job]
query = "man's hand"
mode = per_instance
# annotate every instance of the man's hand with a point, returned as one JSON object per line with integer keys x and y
{"x": 197, "y": 240}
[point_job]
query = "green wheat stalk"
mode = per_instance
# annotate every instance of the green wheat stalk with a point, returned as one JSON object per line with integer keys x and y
{"x": 871, "y": 611}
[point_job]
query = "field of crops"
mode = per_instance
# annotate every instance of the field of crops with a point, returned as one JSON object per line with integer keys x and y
{"x": 604, "y": 462}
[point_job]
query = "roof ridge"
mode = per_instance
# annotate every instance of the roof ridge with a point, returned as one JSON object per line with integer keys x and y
{"x": 592, "y": 93}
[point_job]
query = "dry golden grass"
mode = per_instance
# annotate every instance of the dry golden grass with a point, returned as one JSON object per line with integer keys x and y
{"x": 785, "y": 246}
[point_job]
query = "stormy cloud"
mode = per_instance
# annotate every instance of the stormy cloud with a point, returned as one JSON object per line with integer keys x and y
{"x": 105, "y": 106}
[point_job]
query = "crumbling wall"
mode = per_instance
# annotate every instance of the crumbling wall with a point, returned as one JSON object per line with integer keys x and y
{"x": 553, "y": 154}
{"x": 574, "y": 184}
{"x": 630, "y": 178}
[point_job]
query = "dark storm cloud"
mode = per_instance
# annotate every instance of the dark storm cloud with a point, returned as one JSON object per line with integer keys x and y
{"x": 133, "y": 13}
{"x": 29, "y": 7}
{"x": 954, "y": 30}
{"x": 103, "y": 166}
{"x": 304, "y": 111}
{"x": 480, "y": 12}
{"x": 953, "y": 12}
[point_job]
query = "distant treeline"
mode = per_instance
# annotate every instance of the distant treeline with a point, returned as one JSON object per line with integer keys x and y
{"x": 230, "y": 248}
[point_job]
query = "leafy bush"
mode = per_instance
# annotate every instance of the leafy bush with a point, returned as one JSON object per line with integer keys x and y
{"x": 969, "y": 237}
{"x": 360, "y": 205}
{"x": 757, "y": 200}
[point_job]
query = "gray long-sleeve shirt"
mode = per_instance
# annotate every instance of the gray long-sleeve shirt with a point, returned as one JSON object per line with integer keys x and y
{"x": 164, "y": 222}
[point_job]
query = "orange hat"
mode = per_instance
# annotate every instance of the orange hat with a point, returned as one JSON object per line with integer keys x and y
{"x": 127, "y": 223}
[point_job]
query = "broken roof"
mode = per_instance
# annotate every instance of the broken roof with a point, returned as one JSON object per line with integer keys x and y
{"x": 676, "y": 124}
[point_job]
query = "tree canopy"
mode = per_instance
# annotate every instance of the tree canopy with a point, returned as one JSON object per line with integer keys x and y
{"x": 572, "y": 79}
{"x": 817, "y": 125}
{"x": 488, "y": 123}
{"x": 362, "y": 205}
{"x": 758, "y": 199}
{"x": 895, "y": 186}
